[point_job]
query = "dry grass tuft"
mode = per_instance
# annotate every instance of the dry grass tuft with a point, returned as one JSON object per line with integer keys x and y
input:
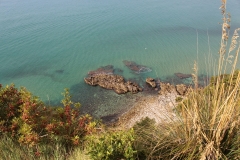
{"x": 208, "y": 126}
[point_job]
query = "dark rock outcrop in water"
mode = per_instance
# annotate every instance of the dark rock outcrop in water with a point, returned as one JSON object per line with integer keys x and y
{"x": 114, "y": 82}
{"x": 151, "y": 82}
{"x": 136, "y": 67}
{"x": 182, "y": 75}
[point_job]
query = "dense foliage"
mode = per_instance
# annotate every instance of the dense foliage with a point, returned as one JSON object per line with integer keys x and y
{"x": 26, "y": 119}
{"x": 112, "y": 145}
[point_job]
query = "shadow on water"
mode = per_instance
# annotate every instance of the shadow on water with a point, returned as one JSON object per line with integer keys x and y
{"x": 23, "y": 71}
{"x": 29, "y": 71}
{"x": 59, "y": 71}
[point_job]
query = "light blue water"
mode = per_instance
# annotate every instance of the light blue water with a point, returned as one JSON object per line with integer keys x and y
{"x": 47, "y": 46}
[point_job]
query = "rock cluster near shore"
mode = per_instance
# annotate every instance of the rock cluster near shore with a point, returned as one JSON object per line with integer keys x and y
{"x": 105, "y": 78}
{"x": 120, "y": 86}
{"x": 160, "y": 108}
{"x": 156, "y": 102}
{"x": 151, "y": 82}
{"x": 114, "y": 82}
{"x": 165, "y": 88}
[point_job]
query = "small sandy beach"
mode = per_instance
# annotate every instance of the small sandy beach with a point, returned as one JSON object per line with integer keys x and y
{"x": 158, "y": 107}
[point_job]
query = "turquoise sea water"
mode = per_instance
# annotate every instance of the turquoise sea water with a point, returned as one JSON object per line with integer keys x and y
{"x": 47, "y": 46}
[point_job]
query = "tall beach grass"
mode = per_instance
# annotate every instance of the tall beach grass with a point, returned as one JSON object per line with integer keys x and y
{"x": 208, "y": 120}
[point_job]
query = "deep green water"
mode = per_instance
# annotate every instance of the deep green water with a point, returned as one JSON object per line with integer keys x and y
{"x": 47, "y": 46}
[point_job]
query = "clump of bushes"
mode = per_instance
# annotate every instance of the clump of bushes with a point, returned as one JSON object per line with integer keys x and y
{"x": 112, "y": 145}
{"x": 26, "y": 119}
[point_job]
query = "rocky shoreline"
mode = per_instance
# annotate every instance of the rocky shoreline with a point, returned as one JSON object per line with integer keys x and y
{"x": 105, "y": 78}
{"x": 159, "y": 106}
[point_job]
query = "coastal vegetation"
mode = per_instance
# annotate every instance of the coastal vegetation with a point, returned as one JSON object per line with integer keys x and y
{"x": 27, "y": 122}
{"x": 207, "y": 125}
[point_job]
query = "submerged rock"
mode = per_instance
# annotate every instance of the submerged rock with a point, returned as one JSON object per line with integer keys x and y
{"x": 151, "y": 82}
{"x": 59, "y": 71}
{"x": 118, "y": 70}
{"x": 113, "y": 82}
{"x": 182, "y": 75}
{"x": 102, "y": 70}
{"x": 136, "y": 67}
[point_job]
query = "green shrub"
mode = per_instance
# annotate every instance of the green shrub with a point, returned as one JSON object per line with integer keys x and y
{"x": 112, "y": 145}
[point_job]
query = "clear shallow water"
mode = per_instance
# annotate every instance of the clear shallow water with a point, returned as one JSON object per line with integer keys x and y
{"x": 47, "y": 46}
